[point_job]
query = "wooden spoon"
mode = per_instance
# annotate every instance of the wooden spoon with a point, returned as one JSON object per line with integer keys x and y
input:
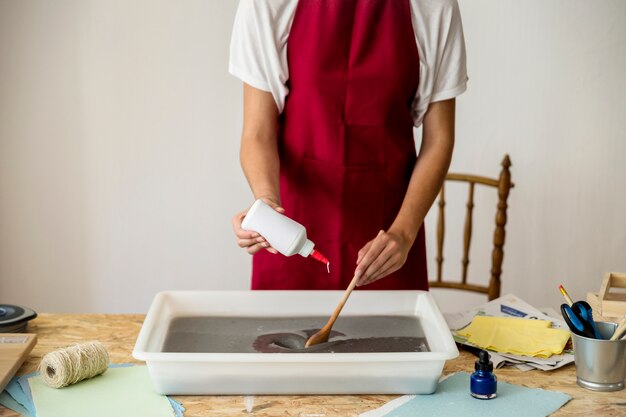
{"x": 324, "y": 333}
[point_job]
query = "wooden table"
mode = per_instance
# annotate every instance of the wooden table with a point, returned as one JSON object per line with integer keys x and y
{"x": 118, "y": 334}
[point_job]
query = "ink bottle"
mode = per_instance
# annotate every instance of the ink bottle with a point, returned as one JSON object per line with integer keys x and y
{"x": 284, "y": 234}
{"x": 483, "y": 382}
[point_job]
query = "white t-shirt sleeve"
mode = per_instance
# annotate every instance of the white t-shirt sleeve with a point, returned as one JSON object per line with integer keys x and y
{"x": 258, "y": 48}
{"x": 441, "y": 45}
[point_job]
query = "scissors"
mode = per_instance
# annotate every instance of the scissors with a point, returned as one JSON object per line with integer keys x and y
{"x": 579, "y": 318}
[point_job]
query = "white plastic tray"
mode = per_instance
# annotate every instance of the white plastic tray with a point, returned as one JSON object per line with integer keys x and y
{"x": 293, "y": 373}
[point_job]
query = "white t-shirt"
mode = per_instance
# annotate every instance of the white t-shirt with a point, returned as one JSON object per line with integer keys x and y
{"x": 258, "y": 50}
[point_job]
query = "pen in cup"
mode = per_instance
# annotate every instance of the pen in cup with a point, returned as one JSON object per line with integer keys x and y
{"x": 566, "y": 295}
{"x": 578, "y": 316}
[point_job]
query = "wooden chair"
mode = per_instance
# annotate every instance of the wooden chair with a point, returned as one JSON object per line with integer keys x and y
{"x": 503, "y": 184}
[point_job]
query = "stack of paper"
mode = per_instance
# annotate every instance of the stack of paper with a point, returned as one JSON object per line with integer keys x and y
{"x": 124, "y": 390}
{"x": 511, "y": 306}
{"x": 514, "y": 335}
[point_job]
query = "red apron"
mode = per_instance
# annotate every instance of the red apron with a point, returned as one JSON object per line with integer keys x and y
{"x": 346, "y": 140}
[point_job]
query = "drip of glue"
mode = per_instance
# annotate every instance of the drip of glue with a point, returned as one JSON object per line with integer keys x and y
{"x": 318, "y": 256}
{"x": 284, "y": 234}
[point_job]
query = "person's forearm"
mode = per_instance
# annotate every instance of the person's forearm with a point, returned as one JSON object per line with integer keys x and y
{"x": 261, "y": 165}
{"x": 259, "y": 147}
{"x": 429, "y": 172}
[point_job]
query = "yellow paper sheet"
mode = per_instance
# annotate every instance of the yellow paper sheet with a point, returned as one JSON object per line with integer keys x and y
{"x": 517, "y": 336}
{"x": 480, "y": 322}
{"x": 119, "y": 392}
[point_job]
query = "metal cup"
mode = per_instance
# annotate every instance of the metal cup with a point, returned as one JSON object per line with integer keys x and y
{"x": 600, "y": 364}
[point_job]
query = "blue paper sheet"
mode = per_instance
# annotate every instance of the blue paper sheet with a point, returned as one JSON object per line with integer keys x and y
{"x": 14, "y": 389}
{"x": 8, "y": 401}
{"x": 453, "y": 398}
{"x": 28, "y": 397}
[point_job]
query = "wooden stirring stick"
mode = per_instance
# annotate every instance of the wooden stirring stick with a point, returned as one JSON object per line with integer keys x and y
{"x": 324, "y": 333}
{"x": 619, "y": 330}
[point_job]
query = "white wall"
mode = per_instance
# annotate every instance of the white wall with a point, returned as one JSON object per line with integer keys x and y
{"x": 119, "y": 131}
{"x": 547, "y": 86}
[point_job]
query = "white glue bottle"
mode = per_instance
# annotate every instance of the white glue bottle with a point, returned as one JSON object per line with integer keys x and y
{"x": 284, "y": 234}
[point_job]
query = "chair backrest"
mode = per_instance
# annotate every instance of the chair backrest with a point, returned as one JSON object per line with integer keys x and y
{"x": 502, "y": 185}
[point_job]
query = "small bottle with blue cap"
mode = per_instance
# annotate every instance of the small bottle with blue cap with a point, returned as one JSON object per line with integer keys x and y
{"x": 483, "y": 382}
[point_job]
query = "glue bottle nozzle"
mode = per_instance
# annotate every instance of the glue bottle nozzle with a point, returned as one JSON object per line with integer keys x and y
{"x": 318, "y": 256}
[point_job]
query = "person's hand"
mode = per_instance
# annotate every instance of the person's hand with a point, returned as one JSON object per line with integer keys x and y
{"x": 381, "y": 256}
{"x": 249, "y": 240}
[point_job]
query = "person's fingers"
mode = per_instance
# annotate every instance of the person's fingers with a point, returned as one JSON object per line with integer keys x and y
{"x": 363, "y": 251}
{"x": 250, "y": 240}
{"x": 236, "y": 221}
{"x": 273, "y": 204}
{"x": 247, "y": 234}
{"x": 373, "y": 271}
{"x": 390, "y": 259}
{"x": 379, "y": 263}
{"x": 372, "y": 253}
{"x": 245, "y": 242}
{"x": 390, "y": 266}
{"x": 257, "y": 247}
{"x": 236, "y": 224}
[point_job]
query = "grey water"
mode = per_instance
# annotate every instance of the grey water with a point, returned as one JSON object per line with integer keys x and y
{"x": 351, "y": 334}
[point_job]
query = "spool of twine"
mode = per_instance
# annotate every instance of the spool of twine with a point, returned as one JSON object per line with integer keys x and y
{"x": 72, "y": 364}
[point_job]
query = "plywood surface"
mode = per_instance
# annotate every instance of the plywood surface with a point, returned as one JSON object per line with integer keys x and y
{"x": 118, "y": 334}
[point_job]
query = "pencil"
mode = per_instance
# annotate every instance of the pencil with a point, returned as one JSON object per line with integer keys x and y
{"x": 566, "y": 295}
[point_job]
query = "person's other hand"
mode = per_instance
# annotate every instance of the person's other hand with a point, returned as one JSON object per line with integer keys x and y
{"x": 251, "y": 241}
{"x": 381, "y": 256}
